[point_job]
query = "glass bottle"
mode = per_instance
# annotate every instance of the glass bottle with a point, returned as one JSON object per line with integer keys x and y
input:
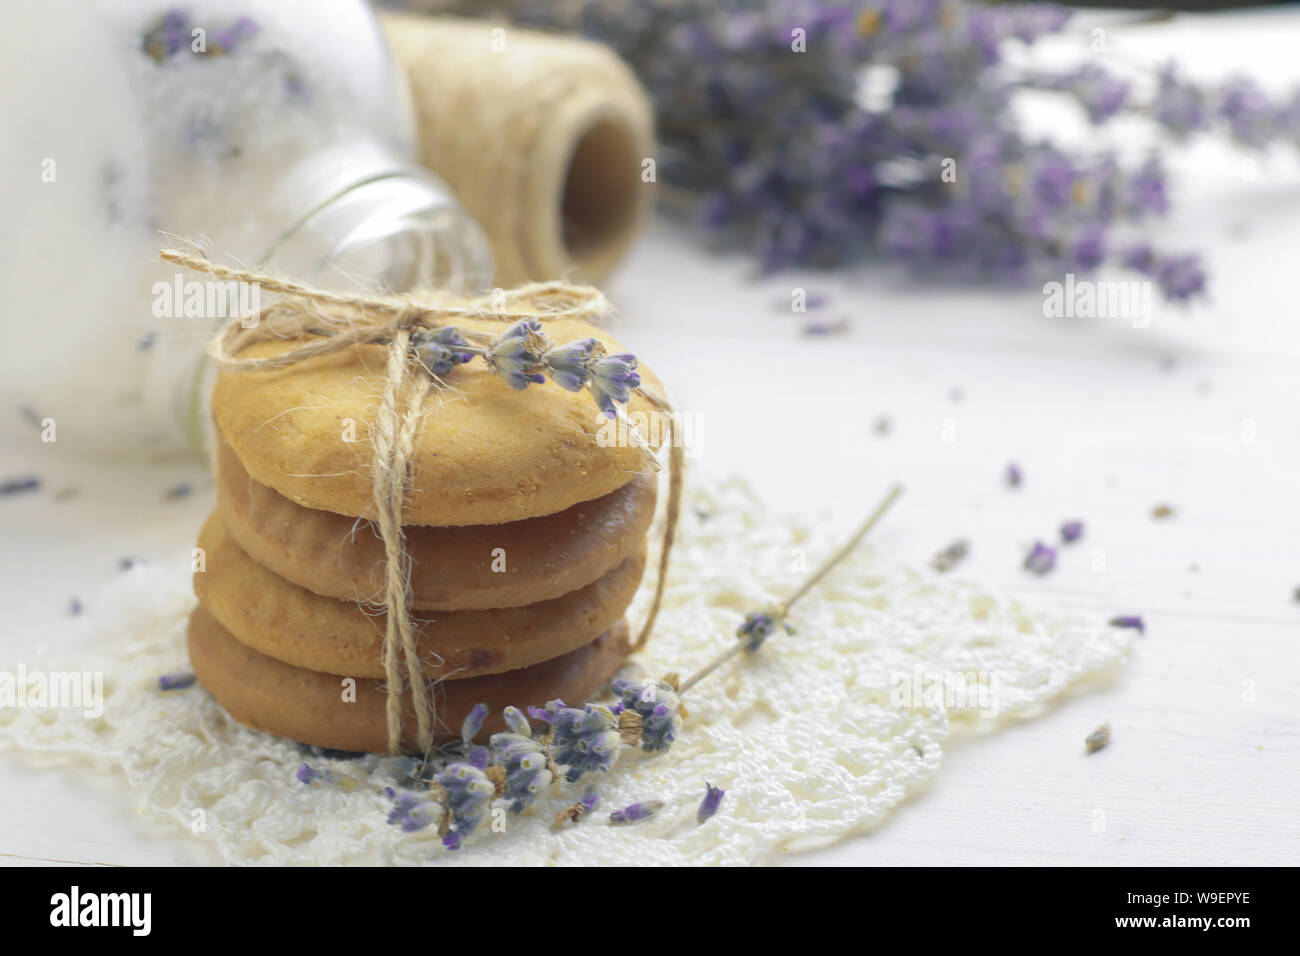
{"x": 276, "y": 135}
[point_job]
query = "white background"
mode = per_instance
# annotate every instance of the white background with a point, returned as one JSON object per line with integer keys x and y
{"x": 1199, "y": 411}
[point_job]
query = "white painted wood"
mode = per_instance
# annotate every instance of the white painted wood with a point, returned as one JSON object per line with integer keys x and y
{"x": 1200, "y": 411}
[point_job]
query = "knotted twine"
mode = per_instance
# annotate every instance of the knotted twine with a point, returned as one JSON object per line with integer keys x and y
{"x": 333, "y": 322}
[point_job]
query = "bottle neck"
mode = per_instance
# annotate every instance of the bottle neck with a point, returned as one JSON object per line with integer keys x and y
{"x": 382, "y": 228}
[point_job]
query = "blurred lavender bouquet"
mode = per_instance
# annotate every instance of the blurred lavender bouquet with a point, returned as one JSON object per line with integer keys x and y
{"x": 822, "y": 132}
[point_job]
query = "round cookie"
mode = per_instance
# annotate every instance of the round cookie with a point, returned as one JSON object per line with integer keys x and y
{"x": 290, "y": 623}
{"x": 485, "y": 454}
{"x": 452, "y": 568}
{"x": 269, "y": 695}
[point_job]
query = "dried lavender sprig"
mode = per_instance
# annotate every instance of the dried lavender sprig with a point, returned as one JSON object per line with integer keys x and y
{"x": 643, "y": 810}
{"x": 779, "y": 612}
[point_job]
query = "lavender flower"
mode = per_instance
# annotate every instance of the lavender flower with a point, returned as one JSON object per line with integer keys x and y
{"x": 758, "y": 626}
{"x": 659, "y": 707}
{"x": 517, "y": 354}
{"x": 1041, "y": 559}
{"x": 466, "y": 793}
{"x": 1179, "y": 107}
{"x": 176, "y": 681}
{"x": 225, "y": 40}
{"x": 1015, "y": 477}
{"x": 569, "y": 365}
{"x": 473, "y": 722}
{"x": 585, "y": 741}
{"x": 712, "y": 801}
{"x": 1131, "y": 621}
{"x": 1071, "y": 531}
{"x": 441, "y": 350}
{"x": 636, "y": 812}
{"x": 612, "y": 380}
{"x": 1101, "y": 94}
{"x": 410, "y": 811}
{"x": 795, "y": 160}
{"x": 526, "y": 765}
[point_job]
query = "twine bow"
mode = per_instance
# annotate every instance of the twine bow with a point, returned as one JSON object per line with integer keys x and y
{"x": 329, "y": 322}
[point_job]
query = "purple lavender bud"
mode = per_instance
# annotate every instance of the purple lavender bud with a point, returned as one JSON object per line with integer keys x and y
{"x": 176, "y": 681}
{"x": 517, "y": 353}
{"x": 1030, "y": 21}
{"x": 526, "y": 766}
{"x": 242, "y": 29}
{"x": 658, "y": 705}
{"x": 712, "y": 800}
{"x": 1041, "y": 559}
{"x": 758, "y": 626}
{"x": 474, "y": 722}
{"x": 1139, "y": 257}
{"x": 15, "y": 486}
{"x": 1146, "y": 189}
{"x": 306, "y": 774}
{"x": 1180, "y": 277}
{"x": 1101, "y": 94}
{"x": 469, "y": 793}
{"x": 585, "y": 740}
{"x": 441, "y": 350}
{"x": 1052, "y": 180}
{"x": 478, "y": 757}
{"x": 637, "y": 811}
{"x": 612, "y": 380}
{"x": 1087, "y": 251}
{"x": 1071, "y": 531}
{"x": 1014, "y": 476}
{"x": 1131, "y": 621}
{"x": 410, "y": 811}
{"x": 1178, "y": 106}
{"x": 517, "y": 722}
{"x": 569, "y": 365}
{"x": 1250, "y": 114}
{"x": 549, "y": 713}
{"x": 590, "y": 797}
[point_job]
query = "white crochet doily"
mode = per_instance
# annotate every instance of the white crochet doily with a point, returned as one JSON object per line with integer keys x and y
{"x": 813, "y": 738}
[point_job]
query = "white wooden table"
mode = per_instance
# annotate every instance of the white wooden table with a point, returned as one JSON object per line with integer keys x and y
{"x": 1200, "y": 411}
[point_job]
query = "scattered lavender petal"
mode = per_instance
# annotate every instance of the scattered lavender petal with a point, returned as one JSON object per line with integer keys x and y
{"x": 712, "y": 800}
{"x": 1071, "y": 531}
{"x": 176, "y": 681}
{"x": 1131, "y": 621}
{"x": 1014, "y": 476}
{"x": 636, "y": 812}
{"x": 1041, "y": 559}
{"x": 17, "y": 486}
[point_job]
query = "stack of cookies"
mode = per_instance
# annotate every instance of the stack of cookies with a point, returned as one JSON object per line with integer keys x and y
{"x": 525, "y": 526}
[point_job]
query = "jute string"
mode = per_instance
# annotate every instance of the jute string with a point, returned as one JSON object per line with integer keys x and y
{"x": 329, "y": 322}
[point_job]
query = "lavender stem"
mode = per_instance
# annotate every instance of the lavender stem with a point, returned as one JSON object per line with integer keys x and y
{"x": 844, "y": 551}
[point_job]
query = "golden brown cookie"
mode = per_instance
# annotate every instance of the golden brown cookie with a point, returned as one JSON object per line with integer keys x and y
{"x": 486, "y": 454}
{"x": 290, "y": 623}
{"x": 269, "y": 695}
{"x": 453, "y": 568}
